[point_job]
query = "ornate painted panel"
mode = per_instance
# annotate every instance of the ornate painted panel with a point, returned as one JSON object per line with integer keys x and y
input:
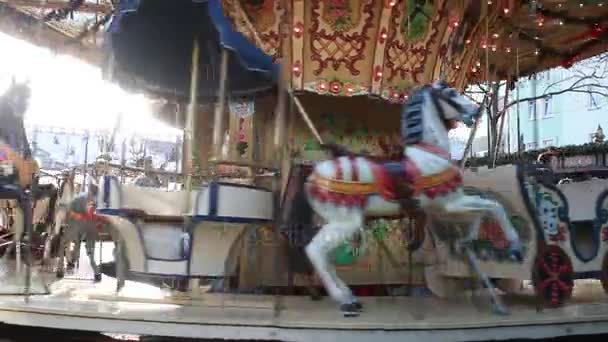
{"x": 357, "y": 47}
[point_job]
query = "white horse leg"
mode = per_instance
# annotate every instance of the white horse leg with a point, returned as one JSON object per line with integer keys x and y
{"x": 329, "y": 237}
{"x": 476, "y": 207}
{"x": 495, "y": 209}
{"x": 61, "y": 254}
{"x": 120, "y": 263}
{"x": 90, "y": 248}
{"x": 508, "y": 230}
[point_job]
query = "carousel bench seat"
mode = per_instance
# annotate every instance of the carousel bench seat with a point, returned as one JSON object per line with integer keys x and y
{"x": 147, "y": 204}
{"x": 236, "y": 203}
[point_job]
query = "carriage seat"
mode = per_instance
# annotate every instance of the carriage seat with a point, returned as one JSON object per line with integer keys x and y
{"x": 147, "y": 204}
{"x": 230, "y": 202}
{"x": 155, "y": 238}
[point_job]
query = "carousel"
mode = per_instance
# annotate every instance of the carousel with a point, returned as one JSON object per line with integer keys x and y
{"x": 320, "y": 199}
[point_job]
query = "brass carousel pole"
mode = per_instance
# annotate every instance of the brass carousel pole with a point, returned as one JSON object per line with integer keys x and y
{"x": 218, "y": 123}
{"x": 190, "y": 117}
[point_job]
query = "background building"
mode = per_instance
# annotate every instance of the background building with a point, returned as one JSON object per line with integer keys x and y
{"x": 59, "y": 148}
{"x": 570, "y": 118}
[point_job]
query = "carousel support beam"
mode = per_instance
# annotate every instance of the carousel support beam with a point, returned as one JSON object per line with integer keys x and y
{"x": 306, "y": 118}
{"x": 189, "y": 126}
{"x": 218, "y": 123}
{"x": 467, "y": 148}
{"x": 280, "y": 123}
{"x": 189, "y": 140}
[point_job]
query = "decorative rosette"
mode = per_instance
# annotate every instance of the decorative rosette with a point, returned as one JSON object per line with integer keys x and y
{"x": 336, "y": 87}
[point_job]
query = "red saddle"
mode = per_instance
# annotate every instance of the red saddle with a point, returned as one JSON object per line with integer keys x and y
{"x": 395, "y": 179}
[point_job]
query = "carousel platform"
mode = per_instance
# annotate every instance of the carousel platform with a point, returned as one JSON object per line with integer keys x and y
{"x": 140, "y": 309}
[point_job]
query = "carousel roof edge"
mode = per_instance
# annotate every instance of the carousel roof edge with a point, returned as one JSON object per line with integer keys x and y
{"x": 24, "y": 27}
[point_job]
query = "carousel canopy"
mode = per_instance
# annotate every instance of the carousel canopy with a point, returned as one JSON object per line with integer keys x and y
{"x": 338, "y": 47}
{"x": 150, "y": 45}
{"x": 387, "y": 47}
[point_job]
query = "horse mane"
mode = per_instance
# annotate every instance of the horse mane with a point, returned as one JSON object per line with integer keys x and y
{"x": 411, "y": 118}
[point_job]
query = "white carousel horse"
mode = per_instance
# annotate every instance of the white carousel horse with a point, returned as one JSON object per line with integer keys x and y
{"x": 347, "y": 190}
{"x": 74, "y": 221}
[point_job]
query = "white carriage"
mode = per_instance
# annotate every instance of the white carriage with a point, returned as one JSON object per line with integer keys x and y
{"x": 180, "y": 233}
{"x": 561, "y": 226}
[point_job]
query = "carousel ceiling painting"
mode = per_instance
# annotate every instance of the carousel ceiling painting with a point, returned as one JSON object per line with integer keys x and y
{"x": 387, "y": 47}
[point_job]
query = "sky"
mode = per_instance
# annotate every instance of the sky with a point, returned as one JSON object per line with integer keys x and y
{"x": 69, "y": 93}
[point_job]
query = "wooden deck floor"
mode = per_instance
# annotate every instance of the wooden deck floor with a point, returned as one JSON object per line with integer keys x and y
{"x": 144, "y": 309}
{"x": 76, "y": 303}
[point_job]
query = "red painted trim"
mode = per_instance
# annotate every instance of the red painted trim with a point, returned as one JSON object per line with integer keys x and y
{"x": 354, "y": 169}
{"x": 339, "y": 173}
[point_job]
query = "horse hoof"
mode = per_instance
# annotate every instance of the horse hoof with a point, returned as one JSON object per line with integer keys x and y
{"x": 358, "y": 306}
{"x": 98, "y": 277}
{"x": 349, "y": 310}
{"x": 501, "y": 310}
{"x": 60, "y": 275}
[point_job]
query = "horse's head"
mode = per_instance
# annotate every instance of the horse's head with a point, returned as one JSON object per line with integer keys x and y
{"x": 18, "y": 96}
{"x": 432, "y": 111}
{"x": 452, "y": 106}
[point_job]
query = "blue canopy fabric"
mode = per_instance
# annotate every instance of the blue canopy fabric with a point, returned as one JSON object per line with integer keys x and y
{"x": 252, "y": 57}
{"x": 150, "y": 43}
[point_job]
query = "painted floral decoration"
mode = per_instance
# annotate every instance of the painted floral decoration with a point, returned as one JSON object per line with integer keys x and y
{"x": 339, "y": 11}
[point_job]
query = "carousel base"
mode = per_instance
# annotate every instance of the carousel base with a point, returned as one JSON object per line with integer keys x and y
{"x": 140, "y": 309}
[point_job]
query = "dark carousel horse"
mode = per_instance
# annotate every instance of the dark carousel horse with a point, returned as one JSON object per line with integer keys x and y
{"x": 18, "y": 171}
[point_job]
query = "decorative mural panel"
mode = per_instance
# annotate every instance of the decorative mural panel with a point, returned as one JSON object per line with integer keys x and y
{"x": 355, "y": 130}
{"x": 601, "y": 220}
{"x": 411, "y": 32}
{"x": 552, "y": 211}
{"x": 263, "y": 18}
{"x": 338, "y": 46}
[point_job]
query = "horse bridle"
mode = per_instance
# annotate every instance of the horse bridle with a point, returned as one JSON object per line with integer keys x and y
{"x": 448, "y": 98}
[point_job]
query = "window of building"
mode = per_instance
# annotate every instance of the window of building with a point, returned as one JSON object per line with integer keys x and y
{"x": 531, "y": 146}
{"x": 531, "y": 105}
{"x": 547, "y": 106}
{"x": 548, "y": 142}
